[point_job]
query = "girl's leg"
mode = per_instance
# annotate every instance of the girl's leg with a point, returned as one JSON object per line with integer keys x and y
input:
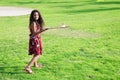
{"x": 27, "y": 68}
{"x": 35, "y": 63}
{"x": 35, "y": 57}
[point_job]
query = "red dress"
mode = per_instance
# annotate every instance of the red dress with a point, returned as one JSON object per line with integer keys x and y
{"x": 35, "y": 43}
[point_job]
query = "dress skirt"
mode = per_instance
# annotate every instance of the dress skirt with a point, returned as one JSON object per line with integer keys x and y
{"x": 35, "y": 45}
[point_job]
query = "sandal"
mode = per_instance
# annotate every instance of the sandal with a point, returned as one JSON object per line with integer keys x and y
{"x": 28, "y": 70}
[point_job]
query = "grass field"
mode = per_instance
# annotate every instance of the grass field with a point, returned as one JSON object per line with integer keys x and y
{"x": 88, "y": 50}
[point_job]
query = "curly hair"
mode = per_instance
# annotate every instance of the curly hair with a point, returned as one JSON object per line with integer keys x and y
{"x": 40, "y": 21}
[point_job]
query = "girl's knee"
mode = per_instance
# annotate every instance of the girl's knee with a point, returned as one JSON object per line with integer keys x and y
{"x": 37, "y": 55}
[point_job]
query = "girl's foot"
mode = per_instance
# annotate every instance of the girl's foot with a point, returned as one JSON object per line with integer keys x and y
{"x": 38, "y": 66}
{"x": 28, "y": 70}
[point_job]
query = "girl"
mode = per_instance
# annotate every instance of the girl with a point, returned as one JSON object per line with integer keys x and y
{"x": 35, "y": 45}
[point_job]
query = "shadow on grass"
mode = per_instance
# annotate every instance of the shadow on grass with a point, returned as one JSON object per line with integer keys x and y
{"x": 54, "y": 2}
{"x": 90, "y": 10}
{"x": 84, "y": 4}
{"x": 11, "y": 70}
{"x": 71, "y": 4}
{"x": 39, "y": 2}
{"x": 30, "y": 2}
{"x": 71, "y": 10}
{"x": 113, "y": 2}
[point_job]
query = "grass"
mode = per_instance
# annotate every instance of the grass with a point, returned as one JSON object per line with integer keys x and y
{"x": 88, "y": 50}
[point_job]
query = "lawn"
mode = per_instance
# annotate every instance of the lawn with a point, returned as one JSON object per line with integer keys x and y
{"x": 88, "y": 50}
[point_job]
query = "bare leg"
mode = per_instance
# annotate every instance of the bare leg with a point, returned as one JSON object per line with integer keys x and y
{"x": 27, "y": 68}
{"x": 35, "y": 63}
{"x": 34, "y": 59}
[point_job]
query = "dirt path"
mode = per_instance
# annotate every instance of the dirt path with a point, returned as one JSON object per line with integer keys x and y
{"x": 14, "y": 11}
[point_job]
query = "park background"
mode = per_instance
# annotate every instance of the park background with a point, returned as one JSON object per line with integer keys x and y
{"x": 88, "y": 50}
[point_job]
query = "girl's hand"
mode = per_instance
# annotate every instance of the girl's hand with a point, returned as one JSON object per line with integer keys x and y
{"x": 46, "y": 29}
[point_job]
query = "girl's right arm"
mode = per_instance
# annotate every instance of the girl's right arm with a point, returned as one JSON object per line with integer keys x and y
{"x": 34, "y": 30}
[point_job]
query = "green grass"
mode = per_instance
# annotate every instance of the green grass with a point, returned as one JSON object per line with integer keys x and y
{"x": 88, "y": 50}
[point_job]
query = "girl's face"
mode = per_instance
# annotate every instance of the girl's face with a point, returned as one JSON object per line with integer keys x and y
{"x": 36, "y": 16}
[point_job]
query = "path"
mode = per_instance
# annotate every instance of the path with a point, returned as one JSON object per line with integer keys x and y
{"x": 14, "y": 11}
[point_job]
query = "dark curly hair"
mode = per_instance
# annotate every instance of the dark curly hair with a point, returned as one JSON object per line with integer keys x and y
{"x": 40, "y": 21}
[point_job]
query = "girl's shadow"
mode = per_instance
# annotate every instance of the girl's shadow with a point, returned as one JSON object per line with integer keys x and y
{"x": 12, "y": 70}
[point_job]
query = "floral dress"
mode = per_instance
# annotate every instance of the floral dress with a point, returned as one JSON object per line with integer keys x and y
{"x": 35, "y": 43}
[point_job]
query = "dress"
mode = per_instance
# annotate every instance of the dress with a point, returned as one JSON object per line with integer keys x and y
{"x": 35, "y": 43}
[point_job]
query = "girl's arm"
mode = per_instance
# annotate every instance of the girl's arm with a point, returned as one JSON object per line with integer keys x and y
{"x": 34, "y": 30}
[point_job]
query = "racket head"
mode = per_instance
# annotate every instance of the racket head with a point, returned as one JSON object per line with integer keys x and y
{"x": 59, "y": 27}
{"x": 64, "y": 26}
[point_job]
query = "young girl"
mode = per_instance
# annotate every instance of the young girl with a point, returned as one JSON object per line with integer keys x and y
{"x": 35, "y": 44}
